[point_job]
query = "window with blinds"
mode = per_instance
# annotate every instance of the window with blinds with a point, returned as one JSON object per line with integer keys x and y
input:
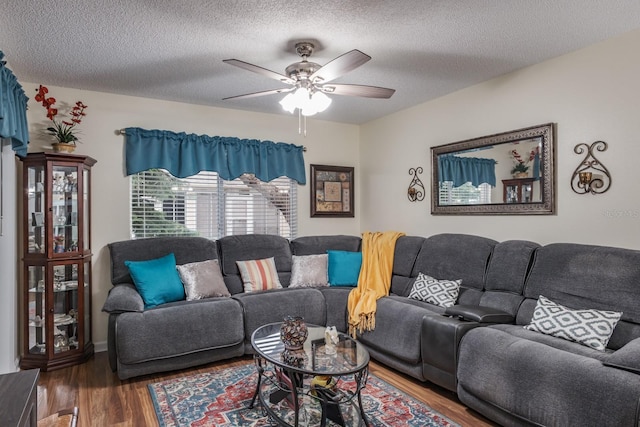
{"x": 206, "y": 205}
{"x": 466, "y": 194}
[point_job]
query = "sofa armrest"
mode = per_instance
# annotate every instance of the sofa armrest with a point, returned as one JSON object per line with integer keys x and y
{"x": 626, "y": 358}
{"x": 123, "y": 298}
{"x": 476, "y": 313}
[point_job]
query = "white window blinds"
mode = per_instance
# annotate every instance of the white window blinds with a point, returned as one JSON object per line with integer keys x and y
{"x": 466, "y": 194}
{"x": 206, "y": 205}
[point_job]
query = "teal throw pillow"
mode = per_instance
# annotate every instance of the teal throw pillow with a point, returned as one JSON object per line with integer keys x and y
{"x": 344, "y": 268}
{"x": 157, "y": 280}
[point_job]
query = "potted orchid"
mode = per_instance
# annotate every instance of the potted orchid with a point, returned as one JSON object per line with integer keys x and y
{"x": 521, "y": 166}
{"x": 64, "y": 131}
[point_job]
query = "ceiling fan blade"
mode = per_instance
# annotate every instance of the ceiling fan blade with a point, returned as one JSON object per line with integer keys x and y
{"x": 262, "y": 93}
{"x": 259, "y": 70}
{"x": 357, "y": 90}
{"x": 339, "y": 66}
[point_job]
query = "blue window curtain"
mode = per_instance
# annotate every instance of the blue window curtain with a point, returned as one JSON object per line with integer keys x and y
{"x": 187, "y": 154}
{"x": 13, "y": 110}
{"x": 461, "y": 170}
{"x": 536, "y": 165}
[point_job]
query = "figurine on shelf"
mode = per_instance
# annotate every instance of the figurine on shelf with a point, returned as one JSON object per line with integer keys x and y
{"x": 58, "y": 184}
{"x": 58, "y": 243}
{"x": 71, "y": 184}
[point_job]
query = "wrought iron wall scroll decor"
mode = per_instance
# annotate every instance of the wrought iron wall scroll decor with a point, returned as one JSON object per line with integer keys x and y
{"x": 591, "y": 176}
{"x": 415, "y": 193}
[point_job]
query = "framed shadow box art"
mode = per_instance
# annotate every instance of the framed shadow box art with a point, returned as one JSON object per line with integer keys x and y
{"x": 331, "y": 191}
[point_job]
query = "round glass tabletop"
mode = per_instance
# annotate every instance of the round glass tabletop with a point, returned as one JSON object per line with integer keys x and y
{"x": 350, "y": 356}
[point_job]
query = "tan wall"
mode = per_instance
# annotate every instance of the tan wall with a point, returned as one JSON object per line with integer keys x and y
{"x": 591, "y": 94}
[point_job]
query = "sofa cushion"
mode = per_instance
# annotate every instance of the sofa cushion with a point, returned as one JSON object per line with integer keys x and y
{"x": 443, "y": 293}
{"x": 406, "y": 251}
{"x": 589, "y": 327}
{"x": 202, "y": 280}
{"x": 313, "y": 245}
{"x": 598, "y": 277}
{"x": 462, "y": 256}
{"x": 185, "y": 249}
{"x": 543, "y": 385}
{"x": 252, "y": 247}
{"x": 272, "y": 306}
{"x": 259, "y": 274}
{"x": 309, "y": 271}
{"x": 157, "y": 280}
{"x": 344, "y": 267}
{"x": 179, "y": 328}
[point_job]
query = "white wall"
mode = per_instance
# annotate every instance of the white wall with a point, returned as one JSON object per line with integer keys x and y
{"x": 326, "y": 142}
{"x": 8, "y": 263}
{"x": 591, "y": 94}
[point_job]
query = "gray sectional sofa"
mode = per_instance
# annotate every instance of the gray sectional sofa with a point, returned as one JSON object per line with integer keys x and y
{"x": 477, "y": 348}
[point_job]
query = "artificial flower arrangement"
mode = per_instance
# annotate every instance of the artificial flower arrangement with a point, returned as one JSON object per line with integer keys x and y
{"x": 521, "y": 165}
{"x": 63, "y": 130}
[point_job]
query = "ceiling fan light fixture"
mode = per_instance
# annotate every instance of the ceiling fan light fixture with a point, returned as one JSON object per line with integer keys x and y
{"x": 306, "y": 103}
{"x": 288, "y": 103}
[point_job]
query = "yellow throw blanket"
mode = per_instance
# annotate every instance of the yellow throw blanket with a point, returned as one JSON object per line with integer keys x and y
{"x": 374, "y": 280}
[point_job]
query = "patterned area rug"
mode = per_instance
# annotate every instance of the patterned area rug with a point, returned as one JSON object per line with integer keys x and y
{"x": 221, "y": 398}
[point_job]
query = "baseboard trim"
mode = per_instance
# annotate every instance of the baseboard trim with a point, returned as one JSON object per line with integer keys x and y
{"x": 99, "y": 347}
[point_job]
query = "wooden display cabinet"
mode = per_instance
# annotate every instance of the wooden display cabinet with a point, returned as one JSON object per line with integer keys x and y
{"x": 518, "y": 190}
{"x": 56, "y": 282}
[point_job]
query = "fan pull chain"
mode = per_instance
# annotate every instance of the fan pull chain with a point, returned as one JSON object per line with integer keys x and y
{"x": 300, "y": 123}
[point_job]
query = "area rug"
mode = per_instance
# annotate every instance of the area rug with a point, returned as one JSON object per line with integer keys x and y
{"x": 221, "y": 398}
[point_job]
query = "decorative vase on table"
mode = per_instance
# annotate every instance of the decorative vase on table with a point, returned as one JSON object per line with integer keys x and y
{"x": 293, "y": 332}
{"x": 62, "y": 147}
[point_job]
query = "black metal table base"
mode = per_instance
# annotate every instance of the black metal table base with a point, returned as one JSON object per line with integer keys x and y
{"x": 287, "y": 385}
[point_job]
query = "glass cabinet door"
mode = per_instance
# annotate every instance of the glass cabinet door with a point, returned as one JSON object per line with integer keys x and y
{"x": 64, "y": 213}
{"x": 65, "y": 307}
{"x": 36, "y": 210}
{"x": 86, "y": 330}
{"x": 36, "y": 305}
{"x": 512, "y": 194}
{"x": 527, "y": 193}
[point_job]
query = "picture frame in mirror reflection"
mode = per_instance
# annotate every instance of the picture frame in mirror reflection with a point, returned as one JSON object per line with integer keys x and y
{"x": 469, "y": 177}
{"x": 332, "y": 191}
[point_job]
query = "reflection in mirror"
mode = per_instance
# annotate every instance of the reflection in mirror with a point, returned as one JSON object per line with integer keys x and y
{"x": 506, "y": 173}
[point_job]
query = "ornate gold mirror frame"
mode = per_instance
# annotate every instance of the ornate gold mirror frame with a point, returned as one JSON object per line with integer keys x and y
{"x": 494, "y": 147}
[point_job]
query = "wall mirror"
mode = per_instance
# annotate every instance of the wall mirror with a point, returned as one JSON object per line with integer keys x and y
{"x": 510, "y": 173}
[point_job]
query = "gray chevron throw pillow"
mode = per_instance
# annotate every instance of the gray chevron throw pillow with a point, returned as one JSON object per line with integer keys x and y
{"x": 592, "y": 328}
{"x": 439, "y": 292}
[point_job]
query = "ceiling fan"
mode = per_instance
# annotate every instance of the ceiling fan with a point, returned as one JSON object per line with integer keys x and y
{"x": 310, "y": 82}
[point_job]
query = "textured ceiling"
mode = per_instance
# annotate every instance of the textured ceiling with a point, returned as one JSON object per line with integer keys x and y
{"x": 173, "y": 50}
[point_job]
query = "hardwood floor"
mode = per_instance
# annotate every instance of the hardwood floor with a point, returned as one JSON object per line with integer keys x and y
{"x": 104, "y": 400}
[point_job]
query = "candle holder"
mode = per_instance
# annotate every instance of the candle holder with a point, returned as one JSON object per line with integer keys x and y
{"x": 591, "y": 176}
{"x": 415, "y": 192}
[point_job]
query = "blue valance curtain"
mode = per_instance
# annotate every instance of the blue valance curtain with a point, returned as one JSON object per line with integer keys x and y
{"x": 13, "y": 110}
{"x": 461, "y": 170}
{"x": 187, "y": 154}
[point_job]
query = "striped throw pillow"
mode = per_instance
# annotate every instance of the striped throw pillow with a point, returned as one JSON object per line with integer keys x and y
{"x": 259, "y": 274}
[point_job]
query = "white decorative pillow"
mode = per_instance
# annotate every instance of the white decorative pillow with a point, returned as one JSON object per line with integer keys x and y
{"x": 309, "y": 271}
{"x": 259, "y": 274}
{"x": 592, "y": 328}
{"x": 443, "y": 293}
{"x": 203, "y": 280}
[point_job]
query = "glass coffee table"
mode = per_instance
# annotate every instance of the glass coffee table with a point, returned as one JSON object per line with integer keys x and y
{"x": 310, "y": 386}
